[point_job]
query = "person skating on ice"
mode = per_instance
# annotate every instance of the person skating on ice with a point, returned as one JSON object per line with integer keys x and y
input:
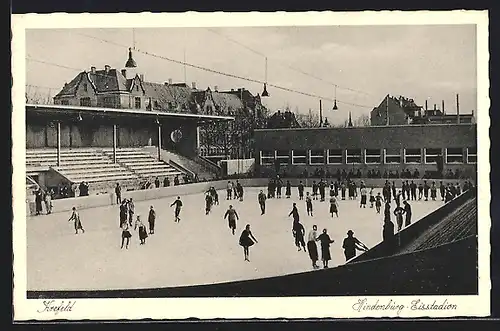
{"x": 262, "y": 202}
{"x": 239, "y": 188}
{"x": 298, "y": 233}
{"x": 309, "y": 205}
{"x": 208, "y": 203}
{"x": 279, "y": 185}
{"x": 300, "y": 188}
{"x": 143, "y": 234}
{"x": 407, "y": 212}
{"x": 372, "y": 198}
{"x": 232, "y": 217}
{"x": 131, "y": 211}
{"x": 288, "y": 189}
{"x": 246, "y": 240}
{"x": 123, "y": 212}
{"x": 151, "y": 220}
{"x": 351, "y": 244}
{"x": 399, "y": 216}
{"x": 126, "y": 235}
{"x": 325, "y": 241}
{"x": 433, "y": 191}
{"x": 334, "y": 208}
{"x": 363, "y": 198}
{"x": 178, "y": 205}
{"x": 229, "y": 190}
{"x": 75, "y": 216}
{"x": 294, "y": 213}
{"x": 312, "y": 248}
{"x": 378, "y": 202}
{"x": 314, "y": 190}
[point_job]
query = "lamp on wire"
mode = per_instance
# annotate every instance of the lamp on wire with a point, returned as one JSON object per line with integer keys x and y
{"x": 79, "y": 118}
{"x": 157, "y": 121}
{"x": 335, "y": 99}
{"x": 265, "y": 93}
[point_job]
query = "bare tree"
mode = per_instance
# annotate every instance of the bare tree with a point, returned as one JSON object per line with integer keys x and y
{"x": 310, "y": 120}
{"x": 38, "y": 95}
{"x": 363, "y": 120}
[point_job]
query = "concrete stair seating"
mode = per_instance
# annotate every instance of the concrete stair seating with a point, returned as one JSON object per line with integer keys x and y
{"x": 104, "y": 177}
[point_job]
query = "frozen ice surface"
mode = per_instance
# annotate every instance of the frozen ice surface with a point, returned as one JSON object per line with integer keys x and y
{"x": 198, "y": 250}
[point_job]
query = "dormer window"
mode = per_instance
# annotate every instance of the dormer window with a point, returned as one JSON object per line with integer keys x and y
{"x": 85, "y": 87}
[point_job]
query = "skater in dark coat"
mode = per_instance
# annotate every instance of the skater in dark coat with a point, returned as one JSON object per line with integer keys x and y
{"x": 372, "y": 198}
{"x": 126, "y": 235}
{"x": 387, "y": 211}
{"x": 378, "y": 202}
{"x": 151, "y": 220}
{"x": 351, "y": 244}
{"x": 334, "y": 207}
{"x": 442, "y": 190}
{"x": 239, "y": 188}
{"x": 399, "y": 216}
{"x": 294, "y": 213}
{"x": 407, "y": 212}
{"x": 342, "y": 190}
{"x": 75, "y": 216}
{"x": 298, "y": 233}
{"x": 131, "y": 211}
{"x": 279, "y": 185}
{"x": 413, "y": 190}
{"x": 420, "y": 191}
{"x": 433, "y": 191}
{"x": 363, "y": 198}
{"x": 288, "y": 190}
{"x": 262, "y": 202}
{"x": 246, "y": 240}
{"x": 123, "y": 212}
{"x": 309, "y": 205}
{"x": 231, "y": 216}
{"x": 321, "y": 188}
{"x": 300, "y": 188}
{"x": 426, "y": 191}
{"x": 208, "y": 203}
{"x": 143, "y": 234}
{"x": 38, "y": 201}
{"x": 314, "y": 190}
{"x": 325, "y": 240}
{"x": 178, "y": 205}
{"x": 118, "y": 193}
{"x": 312, "y": 248}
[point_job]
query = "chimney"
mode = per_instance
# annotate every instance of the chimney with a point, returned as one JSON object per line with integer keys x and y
{"x": 216, "y": 88}
{"x": 142, "y": 77}
{"x": 193, "y": 85}
{"x": 124, "y": 73}
{"x": 435, "y": 108}
{"x": 425, "y": 104}
{"x": 458, "y": 111}
{"x": 170, "y": 81}
{"x": 442, "y": 106}
{"x": 107, "y": 68}
{"x": 232, "y": 90}
{"x": 92, "y": 70}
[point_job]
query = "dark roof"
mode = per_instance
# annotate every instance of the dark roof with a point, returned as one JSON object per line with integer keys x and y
{"x": 101, "y": 81}
{"x": 168, "y": 96}
{"x": 223, "y": 101}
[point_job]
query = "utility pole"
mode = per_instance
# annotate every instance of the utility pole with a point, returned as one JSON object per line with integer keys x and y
{"x": 320, "y": 114}
{"x": 387, "y": 110}
{"x": 458, "y": 111}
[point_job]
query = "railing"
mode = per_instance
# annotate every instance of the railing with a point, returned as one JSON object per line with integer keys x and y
{"x": 181, "y": 168}
{"x": 209, "y": 164}
{"x": 411, "y": 233}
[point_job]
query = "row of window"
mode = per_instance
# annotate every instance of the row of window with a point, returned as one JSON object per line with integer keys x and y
{"x": 371, "y": 156}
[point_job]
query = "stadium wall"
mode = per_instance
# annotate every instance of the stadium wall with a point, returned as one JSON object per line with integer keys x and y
{"x": 93, "y": 201}
{"x": 394, "y": 138}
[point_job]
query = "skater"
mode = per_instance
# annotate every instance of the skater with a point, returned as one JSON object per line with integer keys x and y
{"x": 229, "y": 190}
{"x": 426, "y": 191}
{"x": 342, "y": 190}
{"x": 351, "y": 244}
{"x": 288, "y": 190}
{"x": 215, "y": 196}
{"x": 131, "y": 211}
{"x": 294, "y": 213}
{"x": 151, "y": 220}
{"x": 398, "y": 198}
{"x": 48, "y": 201}
{"x": 300, "y": 188}
{"x": 433, "y": 191}
{"x": 143, "y": 234}
{"x": 413, "y": 190}
{"x": 309, "y": 205}
{"x": 262, "y": 202}
{"x": 246, "y": 240}
{"x": 420, "y": 191}
{"x": 321, "y": 188}
{"x": 235, "y": 190}
{"x": 314, "y": 190}
{"x": 270, "y": 189}
{"x": 38, "y": 201}
{"x": 332, "y": 189}
{"x": 298, "y": 233}
{"x": 125, "y": 235}
{"x": 334, "y": 207}
{"x": 442, "y": 190}
{"x": 239, "y": 189}
{"x": 208, "y": 203}
{"x": 123, "y": 212}
{"x": 325, "y": 240}
{"x": 311, "y": 246}
{"x": 363, "y": 198}
{"x": 75, "y": 216}
{"x": 372, "y": 198}
{"x": 399, "y": 216}
{"x": 231, "y": 216}
{"x": 407, "y": 212}
{"x": 393, "y": 189}
{"x": 178, "y": 205}
{"x": 378, "y": 202}
{"x": 118, "y": 193}
{"x": 279, "y": 185}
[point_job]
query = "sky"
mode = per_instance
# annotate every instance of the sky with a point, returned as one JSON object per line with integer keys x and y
{"x": 433, "y": 62}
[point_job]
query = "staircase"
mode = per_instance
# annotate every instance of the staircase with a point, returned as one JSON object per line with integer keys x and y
{"x": 203, "y": 172}
{"x": 142, "y": 163}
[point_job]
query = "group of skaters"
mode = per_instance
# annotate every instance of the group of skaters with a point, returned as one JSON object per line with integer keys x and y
{"x": 43, "y": 198}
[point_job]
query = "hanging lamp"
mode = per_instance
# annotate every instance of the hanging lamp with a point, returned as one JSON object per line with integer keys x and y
{"x": 335, "y": 99}
{"x": 265, "y": 93}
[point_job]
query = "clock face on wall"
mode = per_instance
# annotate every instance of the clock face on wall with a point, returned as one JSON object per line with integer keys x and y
{"x": 176, "y": 136}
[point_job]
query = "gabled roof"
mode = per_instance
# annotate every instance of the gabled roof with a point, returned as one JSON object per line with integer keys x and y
{"x": 224, "y": 102}
{"x": 167, "y": 95}
{"x": 101, "y": 81}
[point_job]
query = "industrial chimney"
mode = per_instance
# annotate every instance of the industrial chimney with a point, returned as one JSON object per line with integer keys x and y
{"x": 216, "y": 88}
{"x": 193, "y": 85}
{"x": 93, "y": 70}
{"x": 107, "y": 68}
{"x": 426, "y": 105}
{"x": 442, "y": 106}
{"x": 458, "y": 111}
{"x": 170, "y": 81}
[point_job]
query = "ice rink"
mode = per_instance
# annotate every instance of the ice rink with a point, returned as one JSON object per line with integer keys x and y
{"x": 198, "y": 250}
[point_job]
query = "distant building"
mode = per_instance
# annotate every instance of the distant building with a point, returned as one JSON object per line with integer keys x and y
{"x": 282, "y": 120}
{"x": 404, "y": 111}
